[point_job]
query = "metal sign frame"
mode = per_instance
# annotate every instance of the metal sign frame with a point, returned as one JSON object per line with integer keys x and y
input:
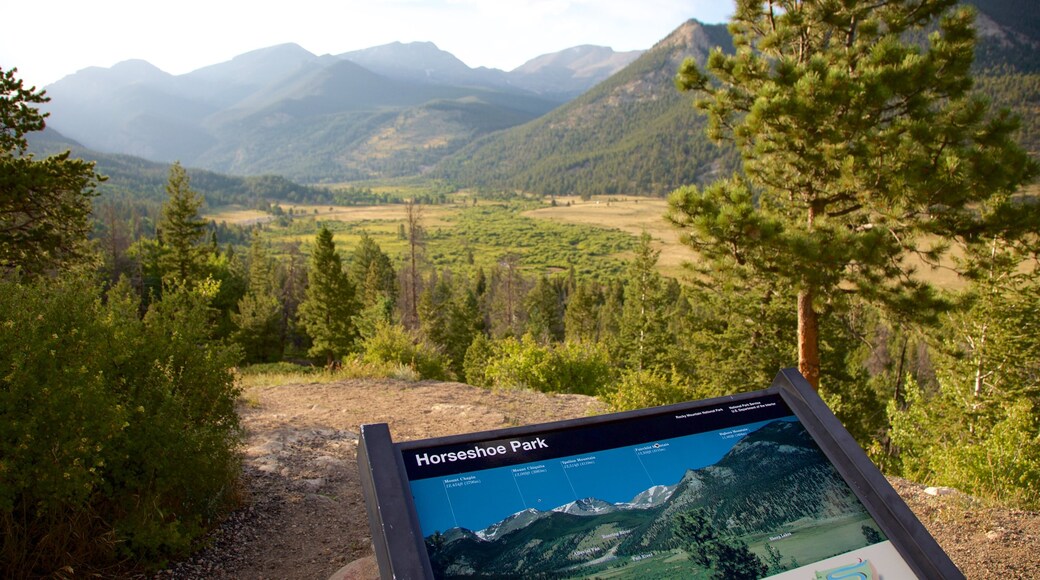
{"x": 398, "y": 540}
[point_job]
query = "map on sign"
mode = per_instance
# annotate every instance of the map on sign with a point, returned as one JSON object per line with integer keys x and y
{"x": 739, "y": 488}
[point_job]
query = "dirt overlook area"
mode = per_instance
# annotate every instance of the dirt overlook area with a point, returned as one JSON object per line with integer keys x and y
{"x": 304, "y": 516}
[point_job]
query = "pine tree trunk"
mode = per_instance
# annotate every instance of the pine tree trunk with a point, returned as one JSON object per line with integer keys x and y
{"x": 808, "y": 339}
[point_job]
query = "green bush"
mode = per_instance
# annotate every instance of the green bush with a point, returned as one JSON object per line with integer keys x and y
{"x": 639, "y": 389}
{"x": 393, "y": 344}
{"x": 940, "y": 441}
{"x": 118, "y": 435}
{"x": 569, "y": 367}
{"x": 478, "y": 354}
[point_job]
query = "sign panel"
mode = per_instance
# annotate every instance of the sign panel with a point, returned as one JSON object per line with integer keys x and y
{"x": 764, "y": 484}
{"x": 736, "y": 486}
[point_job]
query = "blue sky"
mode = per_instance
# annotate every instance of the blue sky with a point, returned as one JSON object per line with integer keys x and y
{"x": 47, "y": 41}
{"x": 614, "y": 476}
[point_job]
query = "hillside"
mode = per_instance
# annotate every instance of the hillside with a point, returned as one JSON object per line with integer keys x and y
{"x": 636, "y": 134}
{"x": 633, "y": 133}
{"x": 141, "y": 182}
{"x": 305, "y": 517}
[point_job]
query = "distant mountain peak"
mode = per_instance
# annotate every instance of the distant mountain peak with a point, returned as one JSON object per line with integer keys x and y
{"x": 689, "y": 35}
{"x": 584, "y": 60}
{"x": 398, "y": 59}
{"x": 136, "y": 65}
{"x": 652, "y": 497}
{"x": 589, "y": 506}
{"x": 286, "y": 49}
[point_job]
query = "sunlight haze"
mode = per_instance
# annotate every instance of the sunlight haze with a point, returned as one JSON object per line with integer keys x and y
{"x": 66, "y": 36}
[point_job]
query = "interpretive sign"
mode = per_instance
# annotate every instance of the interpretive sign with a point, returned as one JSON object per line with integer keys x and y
{"x": 764, "y": 484}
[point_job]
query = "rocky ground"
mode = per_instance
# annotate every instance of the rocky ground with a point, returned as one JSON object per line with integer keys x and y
{"x": 304, "y": 516}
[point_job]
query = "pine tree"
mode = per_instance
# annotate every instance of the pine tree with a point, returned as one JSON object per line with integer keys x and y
{"x": 581, "y": 317}
{"x": 292, "y": 274}
{"x": 45, "y": 204}
{"x": 182, "y": 231}
{"x": 259, "y": 318}
{"x": 508, "y": 287}
{"x": 327, "y": 312}
{"x": 434, "y": 308}
{"x": 372, "y": 272}
{"x": 412, "y": 276}
{"x": 644, "y": 338}
{"x": 862, "y": 146}
{"x": 545, "y": 311}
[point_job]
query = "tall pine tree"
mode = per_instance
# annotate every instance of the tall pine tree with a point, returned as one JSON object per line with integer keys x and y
{"x": 327, "y": 312}
{"x": 45, "y": 204}
{"x": 258, "y": 321}
{"x": 544, "y": 304}
{"x": 182, "y": 231}
{"x": 862, "y": 145}
{"x": 644, "y": 339}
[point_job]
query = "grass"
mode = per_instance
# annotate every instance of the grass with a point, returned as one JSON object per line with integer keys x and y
{"x": 234, "y": 214}
{"x": 630, "y": 214}
{"x": 432, "y": 215}
{"x": 261, "y": 376}
{"x": 452, "y": 237}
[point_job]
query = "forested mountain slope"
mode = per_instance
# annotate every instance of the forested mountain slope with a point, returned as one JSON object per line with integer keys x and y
{"x": 633, "y": 133}
{"x": 636, "y": 134}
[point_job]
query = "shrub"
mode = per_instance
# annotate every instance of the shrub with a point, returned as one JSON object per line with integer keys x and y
{"x": 118, "y": 435}
{"x": 639, "y": 389}
{"x": 569, "y": 367}
{"x": 391, "y": 343}
{"x": 940, "y": 441}
{"x": 474, "y": 365}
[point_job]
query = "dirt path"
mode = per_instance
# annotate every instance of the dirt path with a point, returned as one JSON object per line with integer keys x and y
{"x": 305, "y": 517}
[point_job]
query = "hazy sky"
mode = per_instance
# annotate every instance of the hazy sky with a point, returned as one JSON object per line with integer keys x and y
{"x": 48, "y": 40}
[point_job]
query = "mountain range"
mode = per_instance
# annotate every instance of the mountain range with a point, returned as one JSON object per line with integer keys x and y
{"x": 387, "y": 110}
{"x": 774, "y": 480}
{"x": 586, "y": 120}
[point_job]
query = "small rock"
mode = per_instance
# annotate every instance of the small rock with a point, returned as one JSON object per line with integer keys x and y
{"x": 269, "y": 466}
{"x": 358, "y": 570}
{"x": 316, "y": 498}
{"x": 939, "y": 490}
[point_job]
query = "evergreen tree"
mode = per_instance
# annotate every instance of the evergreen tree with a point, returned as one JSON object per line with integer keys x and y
{"x": 581, "y": 317}
{"x": 372, "y": 272}
{"x": 644, "y": 340}
{"x": 434, "y": 308}
{"x": 182, "y": 231}
{"x": 463, "y": 326}
{"x": 292, "y": 281}
{"x": 727, "y": 558}
{"x": 411, "y": 274}
{"x": 862, "y": 145}
{"x": 506, "y": 314}
{"x": 228, "y": 272}
{"x": 545, "y": 311}
{"x": 259, "y": 318}
{"x": 328, "y": 311}
{"x": 44, "y": 205}
{"x": 476, "y": 361}
{"x": 610, "y": 314}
